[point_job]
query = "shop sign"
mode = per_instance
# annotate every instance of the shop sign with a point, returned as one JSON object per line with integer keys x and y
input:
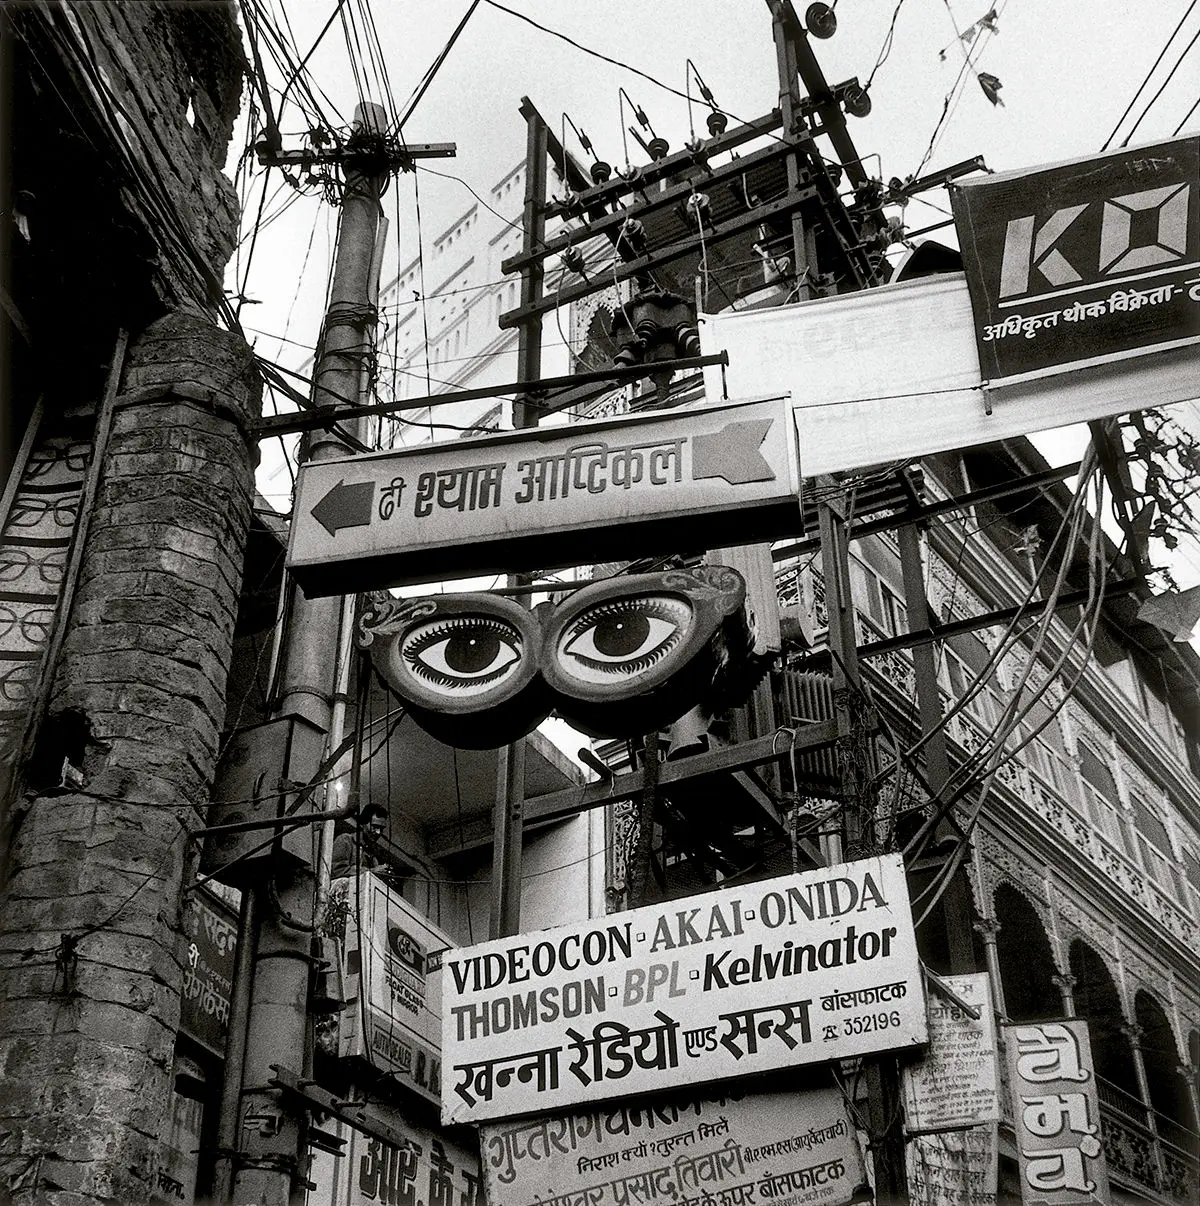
{"x": 789, "y": 1149}
{"x": 1056, "y": 1114}
{"x": 1083, "y": 262}
{"x": 955, "y": 1082}
{"x": 797, "y": 970}
{"x": 211, "y": 931}
{"x": 395, "y": 1024}
{"x": 430, "y": 1170}
{"x": 694, "y": 478}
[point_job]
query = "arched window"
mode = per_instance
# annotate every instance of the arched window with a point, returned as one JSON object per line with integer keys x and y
{"x": 1097, "y": 1000}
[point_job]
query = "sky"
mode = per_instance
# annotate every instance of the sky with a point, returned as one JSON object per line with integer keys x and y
{"x": 1068, "y": 69}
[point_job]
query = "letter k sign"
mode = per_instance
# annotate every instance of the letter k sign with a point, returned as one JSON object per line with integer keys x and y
{"x": 1027, "y": 248}
{"x": 1053, "y": 265}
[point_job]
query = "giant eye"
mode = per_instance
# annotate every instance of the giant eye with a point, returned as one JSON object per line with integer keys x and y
{"x": 618, "y": 640}
{"x": 466, "y": 666}
{"x": 464, "y": 654}
{"x": 627, "y": 655}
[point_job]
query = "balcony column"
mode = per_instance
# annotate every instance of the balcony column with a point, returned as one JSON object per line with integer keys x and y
{"x": 1133, "y": 1033}
{"x": 1191, "y": 1075}
{"x": 988, "y": 928}
{"x": 1065, "y": 983}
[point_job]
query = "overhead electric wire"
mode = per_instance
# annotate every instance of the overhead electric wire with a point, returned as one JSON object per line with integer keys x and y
{"x": 886, "y": 49}
{"x": 1146, "y": 80}
{"x": 971, "y": 56}
{"x": 994, "y": 754}
{"x": 1161, "y": 88}
{"x": 431, "y": 71}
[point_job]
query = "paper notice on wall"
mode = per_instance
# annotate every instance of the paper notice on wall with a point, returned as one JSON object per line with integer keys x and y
{"x": 955, "y": 1083}
{"x": 955, "y": 1168}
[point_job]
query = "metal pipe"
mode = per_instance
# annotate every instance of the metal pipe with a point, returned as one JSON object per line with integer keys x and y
{"x": 235, "y": 1048}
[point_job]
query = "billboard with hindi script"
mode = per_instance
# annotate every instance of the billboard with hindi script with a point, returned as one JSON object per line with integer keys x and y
{"x": 691, "y": 478}
{"x": 1084, "y": 262}
{"x": 1056, "y": 1113}
{"x": 791, "y": 1149}
{"x": 797, "y": 970}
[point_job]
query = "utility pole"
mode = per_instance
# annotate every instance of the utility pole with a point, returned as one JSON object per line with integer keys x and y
{"x": 795, "y": 59}
{"x": 509, "y": 813}
{"x": 264, "y": 1136}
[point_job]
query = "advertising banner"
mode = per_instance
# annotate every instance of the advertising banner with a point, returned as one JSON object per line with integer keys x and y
{"x": 796, "y": 970}
{"x": 955, "y": 1083}
{"x": 790, "y": 1149}
{"x": 430, "y": 1170}
{"x": 550, "y": 497}
{"x": 956, "y": 1168}
{"x": 211, "y": 931}
{"x": 1056, "y": 1114}
{"x": 891, "y": 373}
{"x": 392, "y": 973}
{"x": 1083, "y": 262}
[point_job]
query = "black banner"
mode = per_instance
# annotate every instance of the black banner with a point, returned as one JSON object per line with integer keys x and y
{"x": 211, "y": 932}
{"x": 1084, "y": 262}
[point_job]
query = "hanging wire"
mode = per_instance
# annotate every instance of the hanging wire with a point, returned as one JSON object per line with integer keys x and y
{"x": 1146, "y": 80}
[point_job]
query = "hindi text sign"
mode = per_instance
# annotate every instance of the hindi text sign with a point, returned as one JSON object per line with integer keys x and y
{"x": 1084, "y": 262}
{"x": 211, "y": 931}
{"x": 430, "y": 1169}
{"x": 548, "y": 497}
{"x": 954, "y": 1168}
{"x": 797, "y": 970}
{"x": 955, "y": 1082}
{"x": 790, "y": 1149}
{"x": 1056, "y": 1114}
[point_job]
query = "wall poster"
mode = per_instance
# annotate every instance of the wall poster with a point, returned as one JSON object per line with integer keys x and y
{"x": 955, "y": 1082}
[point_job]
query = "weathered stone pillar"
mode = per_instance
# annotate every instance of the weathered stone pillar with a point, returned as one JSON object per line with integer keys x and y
{"x": 90, "y": 956}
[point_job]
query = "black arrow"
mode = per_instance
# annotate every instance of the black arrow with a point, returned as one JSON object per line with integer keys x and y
{"x": 345, "y": 507}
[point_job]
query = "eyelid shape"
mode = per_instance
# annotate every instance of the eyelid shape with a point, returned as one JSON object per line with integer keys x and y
{"x": 466, "y": 665}
{"x": 613, "y": 678}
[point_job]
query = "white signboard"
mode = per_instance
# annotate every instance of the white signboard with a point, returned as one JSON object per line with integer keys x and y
{"x": 396, "y": 1023}
{"x": 891, "y": 373}
{"x": 797, "y": 970}
{"x": 785, "y": 1148}
{"x": 1056, "y": 1114}
{"x": 656, "y": 482}
{"x": 955, "y": 1083}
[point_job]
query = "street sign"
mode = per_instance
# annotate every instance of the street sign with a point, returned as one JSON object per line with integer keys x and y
{"x": 683, "y": 480}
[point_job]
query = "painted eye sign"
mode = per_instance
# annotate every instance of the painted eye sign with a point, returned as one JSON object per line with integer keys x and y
{"x": 616, "y": 658}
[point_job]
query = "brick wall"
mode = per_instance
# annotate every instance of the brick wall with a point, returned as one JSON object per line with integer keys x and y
{"x": 86, "y": 1031}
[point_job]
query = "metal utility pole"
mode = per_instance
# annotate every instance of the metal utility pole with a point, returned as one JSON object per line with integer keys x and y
{"x": 795, "y": 59}
{"x": 509, "y": 813}
{"x": 263, "y": 1139}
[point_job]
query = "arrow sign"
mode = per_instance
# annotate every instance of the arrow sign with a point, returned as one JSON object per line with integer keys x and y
{"x": 345, "y": 507}
{"x": 733, "y": 453}
{"x": 658, "y": 482}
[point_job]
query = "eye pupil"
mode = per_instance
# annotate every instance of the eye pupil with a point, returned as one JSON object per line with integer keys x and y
{"x": 470, "y": 654}
{"x": 618, "y": 636}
